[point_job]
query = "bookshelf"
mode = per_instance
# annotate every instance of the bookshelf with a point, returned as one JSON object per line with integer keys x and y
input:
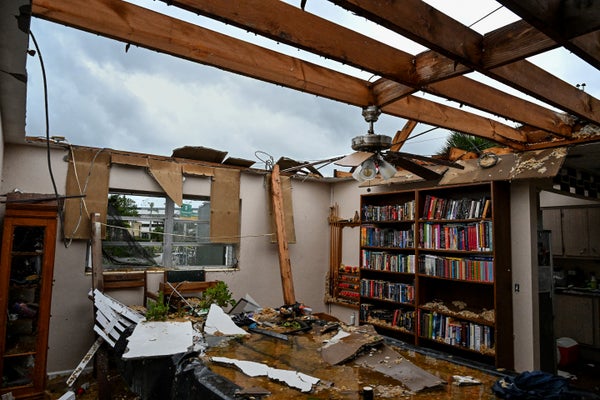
{"x": 435, "y": 269}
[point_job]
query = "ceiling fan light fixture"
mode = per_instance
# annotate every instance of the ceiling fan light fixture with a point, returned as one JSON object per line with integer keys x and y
{"x": 386, "y": 170}
{"x": 366, "y": 171}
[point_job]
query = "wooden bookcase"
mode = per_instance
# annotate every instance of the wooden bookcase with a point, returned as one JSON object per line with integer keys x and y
{"x": 435, "y": 269}
{"x": 26, "y": 271}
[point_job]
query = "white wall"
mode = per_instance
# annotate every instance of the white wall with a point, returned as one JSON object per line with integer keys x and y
{"x": 71, "y": 323}
{"x": 523, "y": 231}
{"x": 25, "y": 168}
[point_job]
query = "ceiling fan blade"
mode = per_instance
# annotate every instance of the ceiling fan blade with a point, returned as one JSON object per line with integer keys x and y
{"x": 413, "y": 167}
{"x": 428, "y": 159}
{"x": 354, "y": 159}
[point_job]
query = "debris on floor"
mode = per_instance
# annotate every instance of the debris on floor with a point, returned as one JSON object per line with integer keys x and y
{"x": 278, "y": 353}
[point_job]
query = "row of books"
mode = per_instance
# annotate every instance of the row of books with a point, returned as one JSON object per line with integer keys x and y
{"x": 350, "y": 295}
{"x": 466, "y": 208}
{"x": 396, "y": 212}
{"x": 456, "y": 332}
{"x": 476, "y": 236}
{"x": 398, "y": 318}
{"x": 392, "y": 262}
{"x": 379, "y": 237}
{"x": 385, "y": 290}
{"x": 480, "y": 269}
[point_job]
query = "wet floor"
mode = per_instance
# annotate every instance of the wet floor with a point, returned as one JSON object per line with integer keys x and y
{"x": 301, "y": 353}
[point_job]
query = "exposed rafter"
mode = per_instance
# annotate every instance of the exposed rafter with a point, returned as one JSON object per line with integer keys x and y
{"x": 454, "y": 51}
{"x": 132, "y": 24}
{"x": 287, "y": 24}
{"x": 424, "y": 24}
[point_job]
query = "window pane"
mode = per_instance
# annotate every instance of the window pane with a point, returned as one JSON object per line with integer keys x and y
{"x": 141, "y": 233}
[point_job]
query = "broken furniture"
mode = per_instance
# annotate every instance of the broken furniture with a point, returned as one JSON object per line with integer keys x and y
{"x": 185, "y": 283}
{"x": 26, "y": 271}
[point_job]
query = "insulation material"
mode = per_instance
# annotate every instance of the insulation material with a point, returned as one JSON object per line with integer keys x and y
{"x": 87, "y": 174}
{"x": 288, "y": 210}
{"x": 168, "y": 175}
{"x": 225, "y": 206}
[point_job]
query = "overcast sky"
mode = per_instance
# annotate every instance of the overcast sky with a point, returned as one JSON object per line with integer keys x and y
{"x": 143, "y": 101}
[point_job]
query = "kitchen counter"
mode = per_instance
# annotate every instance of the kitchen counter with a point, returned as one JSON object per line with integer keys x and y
{"x": 577, "y": 291}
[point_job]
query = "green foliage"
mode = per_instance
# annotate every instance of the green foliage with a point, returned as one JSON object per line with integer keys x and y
{"x": 157, "y": 310}
{"x": 218, "y": 294}
{"x": 123, "y": 205}
{"x": 466, "y": 142}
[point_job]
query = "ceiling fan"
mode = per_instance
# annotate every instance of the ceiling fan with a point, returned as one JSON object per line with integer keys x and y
{"x": 373, "y": 155}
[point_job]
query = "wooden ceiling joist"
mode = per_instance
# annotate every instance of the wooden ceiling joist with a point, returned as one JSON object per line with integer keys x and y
{"x": 559, "y": 19}
{"x": 288, "y": 24}
{"x": 572, "y": 24}
{"x": 432, "y": 28}
{"x": 455, "y": 50}
{"x": 132, "y": 24}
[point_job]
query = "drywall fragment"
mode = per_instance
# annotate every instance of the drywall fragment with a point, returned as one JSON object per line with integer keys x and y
{"x": 390, "y": 363}
{"x": 157, "y": 339}
{"x": 292, "y": 378}
{"x": 218, "y": 321}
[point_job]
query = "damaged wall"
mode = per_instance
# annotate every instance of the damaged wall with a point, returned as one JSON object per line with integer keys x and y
{"x": 71, "y": 323}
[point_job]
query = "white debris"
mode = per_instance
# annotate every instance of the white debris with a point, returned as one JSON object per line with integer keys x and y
{"x": 218, "y": 321}
{"x": 157, "y": 339}
{"x": 293, "y": 379}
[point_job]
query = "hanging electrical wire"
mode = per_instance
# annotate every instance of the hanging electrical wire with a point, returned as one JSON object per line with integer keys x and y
{"x": 47, "y": 129}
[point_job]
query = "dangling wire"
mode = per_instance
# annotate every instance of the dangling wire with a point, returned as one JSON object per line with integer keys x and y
{"x": 47, "y": 123}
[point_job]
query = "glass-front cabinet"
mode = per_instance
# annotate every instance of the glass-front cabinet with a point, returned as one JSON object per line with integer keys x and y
{"x": 26, "y": 270}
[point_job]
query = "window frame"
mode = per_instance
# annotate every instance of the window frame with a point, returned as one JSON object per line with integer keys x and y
{"x": 169, "y": 219}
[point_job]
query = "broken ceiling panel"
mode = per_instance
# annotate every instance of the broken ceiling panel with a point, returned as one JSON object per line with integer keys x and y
{"x": 200, "y": 153}
{"x": 389, "y": 362}
{"x": 239, "y": 162}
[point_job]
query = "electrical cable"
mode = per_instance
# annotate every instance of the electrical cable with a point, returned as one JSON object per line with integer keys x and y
{"x": 485, "y": 16}
{"x": 47, "y": 125}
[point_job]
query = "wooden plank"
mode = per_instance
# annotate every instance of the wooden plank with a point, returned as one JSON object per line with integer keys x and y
{"x": 288, "y": 24}
{"x": 225, "y": 206}
{"x": 169, "y": 176}
{"x": 136, "y": 25}
{"x": 559, "y": 19}
{"x": 587, "y": 47}
{"x": 97, "y": 267}
{"x": 455, "y": 119}
{"x": 536, "y": 82}
{"x": 403, "y": 134}
{"x": 86, "y": 359}
{"x": 435, "y": 30}
{"x": 469, "y": 92}
{"x": 285, "y": 266}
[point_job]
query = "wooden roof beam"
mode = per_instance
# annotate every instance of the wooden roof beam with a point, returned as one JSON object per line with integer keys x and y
{"x": 288, "y": 24}
{"x": 434, "y": 29}
{"x": 572, "y": 24}
{"x": 123, "y": 21}
{"x": 562, "y": 20}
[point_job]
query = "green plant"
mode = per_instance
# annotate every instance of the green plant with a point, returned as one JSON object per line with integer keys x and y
{"x": 157, "y": 310}
{"x": 218, "y": 294}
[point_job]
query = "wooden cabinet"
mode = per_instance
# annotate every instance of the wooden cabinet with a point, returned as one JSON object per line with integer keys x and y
{"x": 552, "y": 218}
{"x": 26, "y": 269}
{"x": 435, "y": 269}
{"x": 575, "y": 231}
{"x": 578, "y": 317}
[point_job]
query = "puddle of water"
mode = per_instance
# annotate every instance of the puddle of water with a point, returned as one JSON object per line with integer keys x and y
{"x": 301, "y": 353}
